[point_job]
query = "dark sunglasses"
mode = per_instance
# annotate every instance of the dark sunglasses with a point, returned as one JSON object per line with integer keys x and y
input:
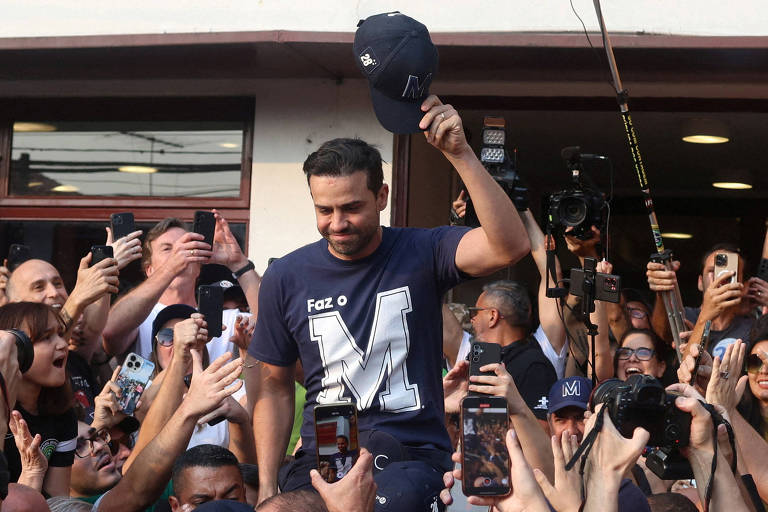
{"x": 126, "y": 440}
{"x": 642, "y": 353}
{"x": 165, "y": 337}
{"x": 754, "y": 363}
{"x": 473, "y": 311}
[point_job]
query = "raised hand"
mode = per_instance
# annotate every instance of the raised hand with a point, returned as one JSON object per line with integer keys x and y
{"x": 226, "y": 250}
{"x": 353, "y": 493}
{"x": 443, "y": 127}
{"x": 455, "y": 386}
{"x": 659, "y": 278}
{"x": 460, "y": 204}
{"x": 612, "y": 453}
{"x": 107, "y": 411}
{"x": 725, "y": 387}
{"x": 720, "y": 296}
{"x": 685, "y": 370}
{"x": 566, "y": 494}
{"x": 500, "y": 384}
{"x": 96, "y": 281}
{"x": 189, "y": 249}
{"x": 190, "y": 333}
{"x": 244, "y": 327}
{"x": 33, "y": 463}
{"x": 211, "y": 386}
{"x": 126, "y": 249}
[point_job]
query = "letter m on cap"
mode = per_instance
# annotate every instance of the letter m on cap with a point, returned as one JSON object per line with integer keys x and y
{"x": 414, "y": 88}
{"x": 572, "y": 388}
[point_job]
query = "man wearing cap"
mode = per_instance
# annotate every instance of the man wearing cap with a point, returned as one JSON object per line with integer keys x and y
{"x": 361, "y": 308}
{"x": 568, "y": 399}
{"x": 172, "y": 257}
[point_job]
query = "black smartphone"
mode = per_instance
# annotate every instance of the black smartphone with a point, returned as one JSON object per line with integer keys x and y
{"x": 484, "y": 456}
{"x": 18, "y": 254}
{"x": 607, "y": 287}
{"x": 122, "y": 224}
{"x": 336, "y": 441}
{"x": 481, "y": 354}
{"x": 205, "y": 224}
{"x": 101, "y": 252}
{"x": 209, "y": 303}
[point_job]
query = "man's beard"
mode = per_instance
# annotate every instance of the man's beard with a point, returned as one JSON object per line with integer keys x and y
{"x": 352, "y": 245}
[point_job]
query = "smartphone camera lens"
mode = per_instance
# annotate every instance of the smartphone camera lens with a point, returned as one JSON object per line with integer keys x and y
{"x": 475, "y": 359}
{"x": 133, "y": 358}
{"x": 129, "y": 365}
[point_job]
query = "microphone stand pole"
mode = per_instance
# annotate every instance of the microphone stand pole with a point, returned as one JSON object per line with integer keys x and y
{"x": 673, "y": 302}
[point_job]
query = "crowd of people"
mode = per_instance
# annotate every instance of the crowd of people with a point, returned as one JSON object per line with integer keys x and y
{"x": 226, "y": 422}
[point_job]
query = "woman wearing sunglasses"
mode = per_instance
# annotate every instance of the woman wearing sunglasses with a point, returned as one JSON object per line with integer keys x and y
{"x": 754, "y": 403}
{"x": 640, "y": 351}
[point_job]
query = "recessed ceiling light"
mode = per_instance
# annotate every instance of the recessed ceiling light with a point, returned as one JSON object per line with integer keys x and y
{"x": 228, "y": 145}
{"x": 137, "y": 169}
{"x": 65, "y": 188}
{"x": 33, "y": 184}
{"x": 705, "y": 131}
{"x": 33, "y": 127}
{"x": 677, "y": 236}
{"x": 732, "y": 185}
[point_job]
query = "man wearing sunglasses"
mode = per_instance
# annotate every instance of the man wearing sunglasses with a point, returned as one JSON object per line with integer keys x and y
{"x": 502, "y": 315}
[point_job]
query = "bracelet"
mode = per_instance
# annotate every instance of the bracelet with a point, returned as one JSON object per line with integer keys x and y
{"x": 237, "y": 273}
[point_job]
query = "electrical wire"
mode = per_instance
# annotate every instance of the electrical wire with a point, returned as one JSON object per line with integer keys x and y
{"x": 594, "y": 50}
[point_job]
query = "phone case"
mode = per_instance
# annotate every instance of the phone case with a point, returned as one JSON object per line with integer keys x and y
{"x": 731, "y": 264}
{"x": 209, "y": 303}
{"x": 481, "y": 354}
{"x": 133, "y": 378}
{"x": 336, "y": 439}
{"x": 205, "y": 224}
{"x": 485, "y": 460}
{"x": 100, "y": 252}
{"x": 122, "y": 224}
{"x": 18, "y": 254}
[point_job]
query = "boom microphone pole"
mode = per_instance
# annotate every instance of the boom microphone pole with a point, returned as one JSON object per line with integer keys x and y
{"x": 673, "y": 302}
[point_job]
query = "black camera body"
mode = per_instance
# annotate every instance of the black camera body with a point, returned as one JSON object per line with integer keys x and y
{"x": 641, "y": 401}
{"x": 578, "y": 207}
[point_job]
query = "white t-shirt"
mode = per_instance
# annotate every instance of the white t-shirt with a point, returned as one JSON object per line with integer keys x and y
{"x": 216, "y": 347}
{"x": 217, "y": 434}
{"x": 557, "y": 360}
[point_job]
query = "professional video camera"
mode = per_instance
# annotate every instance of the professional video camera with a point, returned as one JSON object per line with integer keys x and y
{"x": 579, "y": 206}
{"x": 499, "y": 164}
{"x": 641, "y": 401}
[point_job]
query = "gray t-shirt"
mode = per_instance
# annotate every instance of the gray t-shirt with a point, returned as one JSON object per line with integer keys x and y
{"x": 719, "y": 340}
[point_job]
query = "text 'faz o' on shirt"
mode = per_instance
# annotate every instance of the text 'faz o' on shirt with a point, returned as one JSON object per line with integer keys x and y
{"x": 367, "y": 331}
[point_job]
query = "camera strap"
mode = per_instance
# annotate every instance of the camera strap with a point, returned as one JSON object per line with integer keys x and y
{"x": 586, "y": 445}
{"x": 717, "y": 419}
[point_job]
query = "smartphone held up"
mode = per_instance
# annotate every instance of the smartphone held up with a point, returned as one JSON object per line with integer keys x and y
{"x": 484, "y": 456}
{"x": 336, "y": 440}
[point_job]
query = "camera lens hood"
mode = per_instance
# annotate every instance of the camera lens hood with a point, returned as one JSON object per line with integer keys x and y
{"x": 25, "y": 352}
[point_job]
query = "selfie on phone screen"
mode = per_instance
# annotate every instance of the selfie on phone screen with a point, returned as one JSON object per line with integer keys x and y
{"x": 337, "y": 446}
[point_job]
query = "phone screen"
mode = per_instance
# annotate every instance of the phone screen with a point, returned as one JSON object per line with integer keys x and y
{"x": 485, "y": 461}
{"x": 336, "y": 440}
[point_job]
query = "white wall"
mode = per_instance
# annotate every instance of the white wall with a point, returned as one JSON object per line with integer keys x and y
{"x": 23, "y": 18}
{"x": 293, "y": 117}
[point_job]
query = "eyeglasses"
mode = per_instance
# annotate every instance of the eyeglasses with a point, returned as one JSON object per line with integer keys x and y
{"x": 637, "y": 313}
{"x": 754, "y": 363}
{"x": 642, "y": 353}
{"x": 165, "y": 337}
{"x": 126, "y": 440}
{"x": 86, "y": 446}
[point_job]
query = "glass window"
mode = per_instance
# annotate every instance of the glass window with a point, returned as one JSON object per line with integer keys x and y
{"x": 146, "y": 159}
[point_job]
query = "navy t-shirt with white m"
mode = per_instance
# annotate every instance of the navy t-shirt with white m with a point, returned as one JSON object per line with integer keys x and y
{"x": 368, "y": 330}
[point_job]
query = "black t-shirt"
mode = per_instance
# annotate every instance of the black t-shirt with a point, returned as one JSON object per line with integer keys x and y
{"x": 59, "y": 433}
{"x": 83, "y": 383}
{"x": 719, "y": 340}
{"x": 532, "y": 372}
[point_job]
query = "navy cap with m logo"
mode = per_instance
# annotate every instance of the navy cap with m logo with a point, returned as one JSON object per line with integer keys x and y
{"x": 397, "y": 56}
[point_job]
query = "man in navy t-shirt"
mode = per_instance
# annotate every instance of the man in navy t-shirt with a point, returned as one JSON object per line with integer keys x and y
{"x": 361, "y": 308}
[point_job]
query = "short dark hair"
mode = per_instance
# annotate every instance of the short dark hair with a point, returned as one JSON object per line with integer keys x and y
{"x": 759, "y": 331}
{"x": 154, "y": 233}
{"x": 305, "y": 500}
{"x": 723, "y": 246}
{"x": 32, "y": 318}
{"x": 512, "y": 300}
{"x": 671, "y": 502}
{"x": 250, "y": 474}
{"x": 660, "y": 347}
{"x": 343, "y": 157}
{"x": 202, "y": 455}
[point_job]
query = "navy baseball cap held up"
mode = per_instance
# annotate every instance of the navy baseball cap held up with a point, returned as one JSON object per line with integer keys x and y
{"x": 396, "y": 55}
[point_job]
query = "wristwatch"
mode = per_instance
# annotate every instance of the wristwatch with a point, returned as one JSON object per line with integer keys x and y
{"x": 237, "y": 273}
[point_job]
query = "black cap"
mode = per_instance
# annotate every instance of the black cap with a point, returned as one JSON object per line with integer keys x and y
{"x": 169, "y": 313}
{"x": 396, "y": 55}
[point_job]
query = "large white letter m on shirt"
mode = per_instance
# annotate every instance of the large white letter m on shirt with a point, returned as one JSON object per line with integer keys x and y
{"x": 384, "y": 358}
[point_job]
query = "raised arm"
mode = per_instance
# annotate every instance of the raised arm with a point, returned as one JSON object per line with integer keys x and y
{"x": 500, "y": 240}
{"x": 604, "y": 361}
{"x": 94, "y": 284}
{"x": 548, "y": 312}
{"x": 129, "y": 312}
{"x": 452, "y": 335}
{"x": 270, "y": 389}
{"x": 151, "y": 470}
